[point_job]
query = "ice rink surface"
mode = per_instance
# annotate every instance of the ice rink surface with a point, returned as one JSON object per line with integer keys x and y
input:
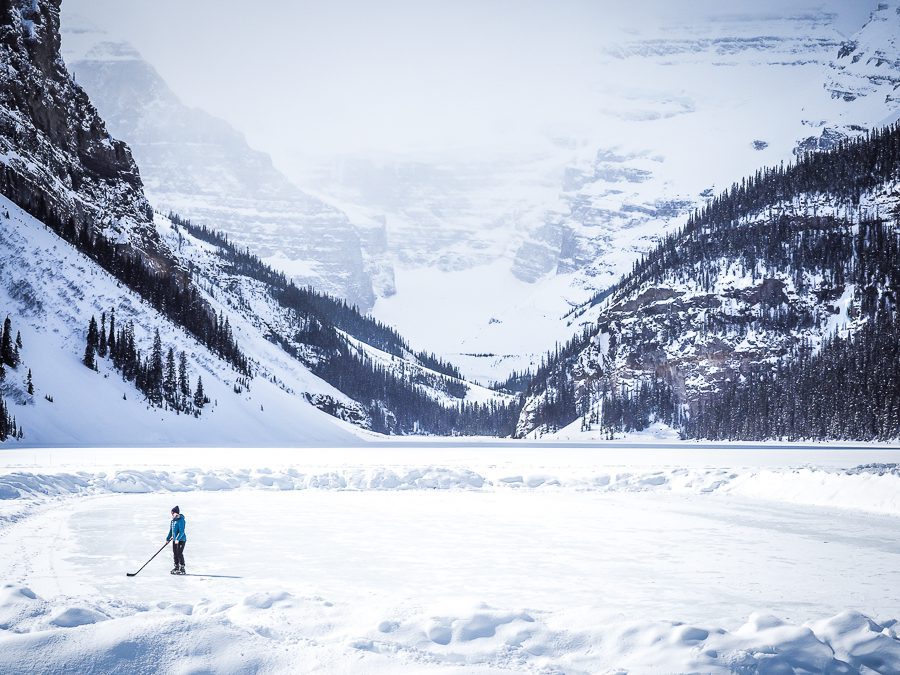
{"x": 541, "y": 560}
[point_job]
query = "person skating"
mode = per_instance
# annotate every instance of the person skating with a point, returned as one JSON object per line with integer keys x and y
{"x": 178, "y": 539}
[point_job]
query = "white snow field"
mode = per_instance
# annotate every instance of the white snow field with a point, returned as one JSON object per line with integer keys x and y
{"x": 453, "y": 559}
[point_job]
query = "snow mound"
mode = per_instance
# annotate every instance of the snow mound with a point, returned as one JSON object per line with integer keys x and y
{"x": 873, "y": 487}
{"x": 76, "y": 616}
{"x": 19, "y": 485}
{"x": 140, "y": 642}
{"x": 266, "y": 600}
{"x": 18, "y": 605}
{"x": 491, "y": 638}
{"x": 229, "y": 638}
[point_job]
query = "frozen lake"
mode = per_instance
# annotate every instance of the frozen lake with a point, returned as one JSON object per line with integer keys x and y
{"x": 364, "y": 562}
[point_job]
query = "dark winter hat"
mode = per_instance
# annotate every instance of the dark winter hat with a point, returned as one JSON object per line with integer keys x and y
{"x": 175, "y": 509}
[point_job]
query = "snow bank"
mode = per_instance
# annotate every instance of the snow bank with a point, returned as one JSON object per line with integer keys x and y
{"x": 492, "y": 638}
{"x": 214, "y": 637}
{"x": 136, "y": 639}
{"x": 871, "y": 487}
{"x": 22, "y": 485}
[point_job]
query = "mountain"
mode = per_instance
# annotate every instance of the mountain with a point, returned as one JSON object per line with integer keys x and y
{"x": 198, "y": 165}
{"x": 773, "y": 313}
{"x": 513, "y": 239}
{"x": 57, "y": 155}
{"x": 50, "y": 291}
{"x": 115, "y": 313}
{"x": 97, "y": 250}
{"x": 769, "y": 312}
{"x": 866, "y": 70}
{"x": 484, "y": 255}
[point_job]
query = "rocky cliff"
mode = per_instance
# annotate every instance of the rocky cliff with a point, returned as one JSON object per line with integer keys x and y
{"x": 57, "y": 158}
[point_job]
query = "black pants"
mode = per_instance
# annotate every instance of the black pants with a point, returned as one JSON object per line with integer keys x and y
{"x": 178, "y": 551}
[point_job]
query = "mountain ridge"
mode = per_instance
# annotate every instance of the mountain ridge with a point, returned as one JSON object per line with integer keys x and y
{"x": 200, "y": 166}
{"x": 778, "y": 265}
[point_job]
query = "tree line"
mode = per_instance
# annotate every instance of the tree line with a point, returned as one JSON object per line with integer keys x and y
{"x": 395, "y": 403}
{"x": 162, "y": 377}
{"x": 311, "y": 304}
{"x": 10, "y": 357}
{"x": 169, "y": 292}
{"x": 808, "y": 393}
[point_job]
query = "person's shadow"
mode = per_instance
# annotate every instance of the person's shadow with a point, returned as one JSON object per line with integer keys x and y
{"x": 211, "y": 576}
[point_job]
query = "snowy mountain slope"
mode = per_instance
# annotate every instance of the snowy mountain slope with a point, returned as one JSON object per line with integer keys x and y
{"x": 768, "y": 274}
{"x": 866, "y": 70}
{"x": 51, "y": 291}
{"x": 197, "y": 165}
{"x": 676, "y": 112}
{"x": 256, "y": 325}
{"x": 281, "y": 334}
{"x": 60, "y": 164}
{"x": 54, "y": 290}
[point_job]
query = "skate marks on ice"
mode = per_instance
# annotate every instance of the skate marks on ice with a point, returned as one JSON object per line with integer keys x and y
{"x": 55, "y": 619}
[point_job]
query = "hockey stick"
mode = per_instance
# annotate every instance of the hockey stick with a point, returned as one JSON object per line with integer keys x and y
{"x": 134, "y": 574}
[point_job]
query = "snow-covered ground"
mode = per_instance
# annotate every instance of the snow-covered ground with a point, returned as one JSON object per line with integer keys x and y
{"x": 453, "y": 558}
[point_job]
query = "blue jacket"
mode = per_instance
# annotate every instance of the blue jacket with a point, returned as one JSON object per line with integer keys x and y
{"x": 176, "y": 529}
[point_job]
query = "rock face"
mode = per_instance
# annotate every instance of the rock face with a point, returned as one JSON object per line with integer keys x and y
{"x": 56, "y": 157}
{"x": 200, "y": 167}
{"x": 694, "y": 334}
{"x": 868, "y": 64}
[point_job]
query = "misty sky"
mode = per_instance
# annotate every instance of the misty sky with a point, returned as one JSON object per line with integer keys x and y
{"x": 329, "y": 77}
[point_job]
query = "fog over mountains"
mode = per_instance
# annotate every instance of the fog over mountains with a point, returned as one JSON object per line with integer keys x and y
{"x": 483, "y": 251}
{"x": 565, "y": 285}
{"x": 197, "y": 164}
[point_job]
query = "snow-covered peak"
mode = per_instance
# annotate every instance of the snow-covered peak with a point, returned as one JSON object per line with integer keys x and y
{"x": 201, "y": 167}
{"x": 868, "y": 64}
{"x": 680, "y": 111}
{"x": 84, "y": 41}
{"x": 734, "y": 37}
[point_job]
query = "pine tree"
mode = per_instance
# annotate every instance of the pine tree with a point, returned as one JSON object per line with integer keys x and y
{"x": 6, "y": 347}
{"x": 29, "y": 385}
{"x": 170, "y": 385}
{"x": 184, "y": 386}
{"x": 111, "y": 342}
{"x": 19, "y": 339}
{"x": 7, "y": 423}
{"x": 155, "y": 371}
{"x": 90, "y": 348}
{"x": 199, "y": 396}
{"x": 102, "y": 344}
{"x": 89, "y": 359}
